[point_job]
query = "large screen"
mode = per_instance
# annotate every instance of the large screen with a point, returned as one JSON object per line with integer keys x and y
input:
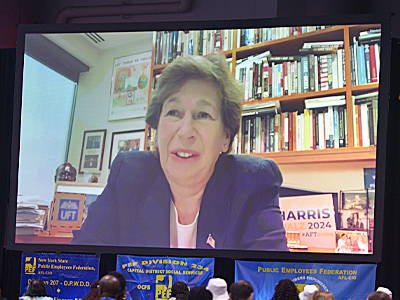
{"x": 262, "y": 138}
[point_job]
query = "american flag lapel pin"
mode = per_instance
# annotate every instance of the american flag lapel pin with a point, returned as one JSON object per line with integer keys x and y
{"x": 210, "y": 241}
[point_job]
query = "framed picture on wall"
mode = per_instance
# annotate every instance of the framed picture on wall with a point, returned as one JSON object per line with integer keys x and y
{"x": 130, "y": 86}
{"x": 124, "y": 141}
{"x": 92, "y": 151}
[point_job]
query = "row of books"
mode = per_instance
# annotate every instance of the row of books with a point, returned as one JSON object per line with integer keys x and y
{"x": 264, "y": 75}
{"x": 251, "y": 36}
{"x": 323, "y": 124}
{"x": 365, "y": 57}
{"x": 172, "y": 44}
{"x": 365, "y": 119}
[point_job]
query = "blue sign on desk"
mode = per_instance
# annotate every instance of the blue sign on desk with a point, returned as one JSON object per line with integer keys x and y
{"x": 68, "y": 211}
{"x": 66, "y": 276}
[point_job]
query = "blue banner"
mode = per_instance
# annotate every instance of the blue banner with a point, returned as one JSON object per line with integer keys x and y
{"x": 152, "y": 277}
{"x": 67, "y": 277}
{"x": 344, "y": 281}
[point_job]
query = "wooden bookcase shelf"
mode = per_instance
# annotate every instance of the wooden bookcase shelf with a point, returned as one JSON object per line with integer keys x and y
{"x": 288, "y": 47}
{"x": 340, "y": 155}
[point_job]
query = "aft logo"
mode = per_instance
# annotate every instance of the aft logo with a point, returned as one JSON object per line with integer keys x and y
{"x": 68, "y": 211}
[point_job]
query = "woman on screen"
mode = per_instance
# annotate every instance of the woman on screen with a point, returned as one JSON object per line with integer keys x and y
{"x": 190, "y": 193}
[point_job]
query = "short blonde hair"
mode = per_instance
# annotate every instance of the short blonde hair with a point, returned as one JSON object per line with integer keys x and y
{"x": 212, "y": 68}
{"x": 321, "y": 295}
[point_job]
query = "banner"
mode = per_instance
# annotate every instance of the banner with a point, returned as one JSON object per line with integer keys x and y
{"x": 313, "y": 217}
{"x": 152, "y": 277}
{"x": 67, "y": 277}
{"x": 344, "y": 281}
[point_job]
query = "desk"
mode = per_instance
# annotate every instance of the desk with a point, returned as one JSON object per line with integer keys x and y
{"x": 42, "y": 239}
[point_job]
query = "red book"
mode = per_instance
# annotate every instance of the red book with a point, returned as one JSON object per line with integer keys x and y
{"x": 285, "y": 83}
{"x": 359, "y": 125}
{"x": 290, "y": 132}
{"x": 374, "y": 73}
{"x": 221, "y": 39}
{"x": 294, "y": 131}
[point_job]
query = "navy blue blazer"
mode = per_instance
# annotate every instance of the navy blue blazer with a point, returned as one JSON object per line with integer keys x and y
{"x": 239, "y": 207}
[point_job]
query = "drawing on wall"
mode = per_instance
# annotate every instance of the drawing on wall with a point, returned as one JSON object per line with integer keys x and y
{"x": 130, "y": 86}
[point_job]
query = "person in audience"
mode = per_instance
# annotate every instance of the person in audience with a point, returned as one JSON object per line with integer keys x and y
{"x": 385, "y": 290}
{"x": 218, "y": 288}
{"x": 179, "y": 291}
{"x": 197, "y": 190}
{"x": 200, "y": 293}
{"x": 307, "y": 291}
{"x": 285, "y": 290}
{"x": 241, "y": 290}
{"x": 378, "y": 296}
{"x": 109, "y": 288}
{"x": 321, "y": 295}
{"x": 122, "y": 284}
{"x": 36, "y": 290}
{"x": 94, "y": 292}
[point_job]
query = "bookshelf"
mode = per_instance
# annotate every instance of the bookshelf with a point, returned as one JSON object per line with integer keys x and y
{"x": 292, "y": 102}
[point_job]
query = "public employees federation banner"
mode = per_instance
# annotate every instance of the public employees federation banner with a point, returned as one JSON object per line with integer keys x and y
{"x": 345, "y": 282}
{"x": 67, "y": 276}
{"x": 152, "y": 277}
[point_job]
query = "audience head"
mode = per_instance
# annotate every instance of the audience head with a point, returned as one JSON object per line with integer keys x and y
{"x": 218, "y": 288}
{"x": 285, "y": 290}
{"x": 179, "y": 290}
{"x": 241, "y": 290}
{"x": 94, "y": 291}
{"x": 321, "y": 295}
{"x": 122, "y": 284}
{"x": 181, "y": 296}
{"x": 109, "y": 286}
{"x": 385, "y": 290}
{"x": 36, "y": 288}
{"x": 200, "y": 293}
{"x": 378, "y": 296}
{"x": 307, "y": 291}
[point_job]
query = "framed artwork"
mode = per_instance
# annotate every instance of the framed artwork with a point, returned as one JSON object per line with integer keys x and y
{"x": 92, "y": 151}
{"x": 124, "y": 141}
{"x": 130, "y": 86}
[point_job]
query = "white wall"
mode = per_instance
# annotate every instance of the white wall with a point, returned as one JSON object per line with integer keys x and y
{"x": 92, "y": 105}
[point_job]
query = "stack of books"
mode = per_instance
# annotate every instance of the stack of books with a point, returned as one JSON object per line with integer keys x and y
{"x": 30, "y": 219}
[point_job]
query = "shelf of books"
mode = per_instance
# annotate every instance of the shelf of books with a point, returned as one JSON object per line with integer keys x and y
{"x": 310, "y": 92}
